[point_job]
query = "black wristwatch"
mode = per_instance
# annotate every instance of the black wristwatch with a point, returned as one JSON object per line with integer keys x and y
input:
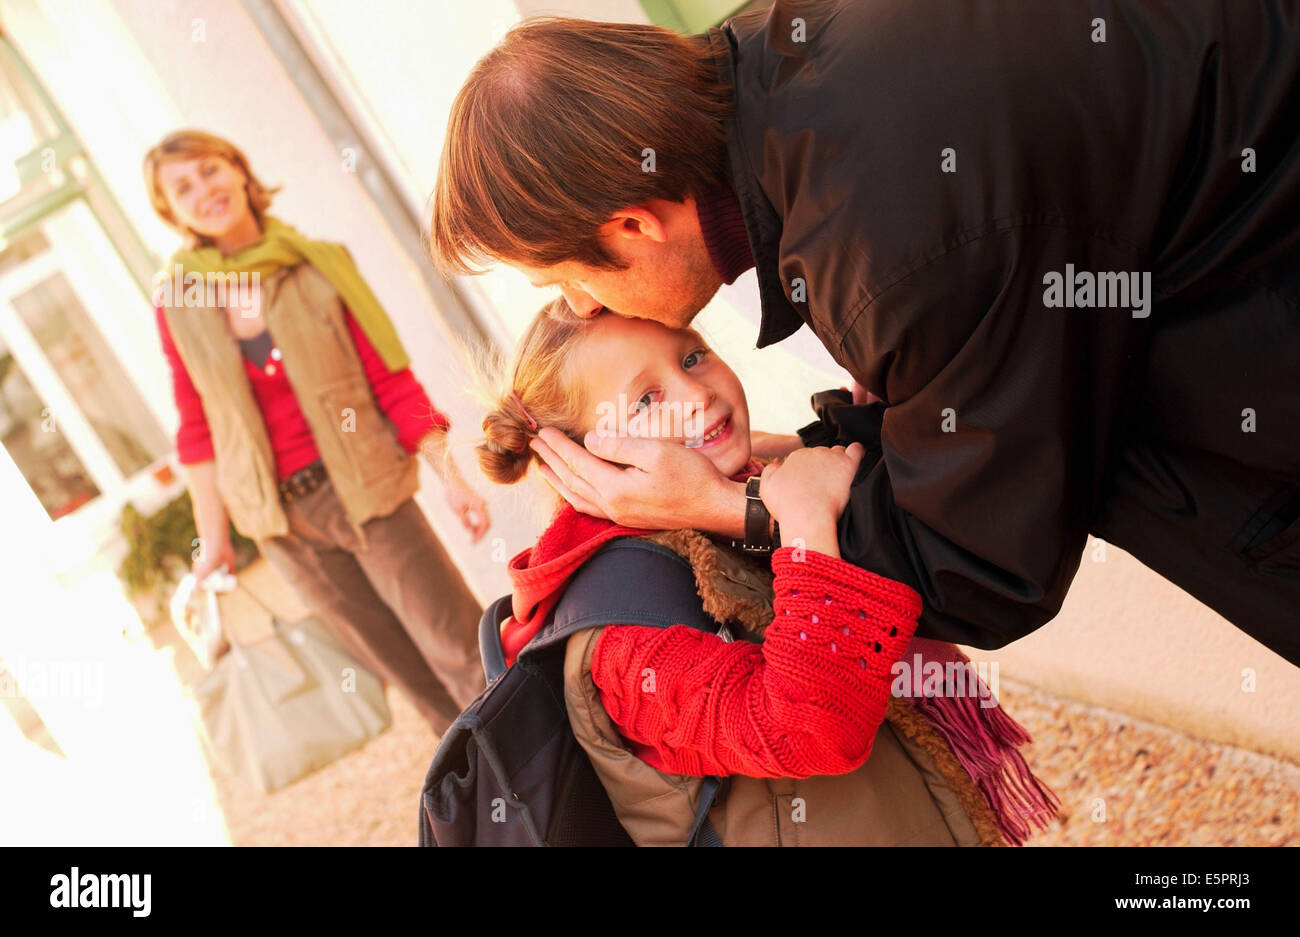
{"x": 762, "y": 535}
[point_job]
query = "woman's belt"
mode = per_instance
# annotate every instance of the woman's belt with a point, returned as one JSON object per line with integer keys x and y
{"x": 304, "y": 481}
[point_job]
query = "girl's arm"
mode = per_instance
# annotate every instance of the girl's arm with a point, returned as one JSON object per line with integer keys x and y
{"x": 808, "y": 701}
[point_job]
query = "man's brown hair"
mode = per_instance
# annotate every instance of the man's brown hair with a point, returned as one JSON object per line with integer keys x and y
{"x": 549, "y": 135}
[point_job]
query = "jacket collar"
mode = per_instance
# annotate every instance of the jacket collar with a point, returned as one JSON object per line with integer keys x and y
{"x": 780, "y": 318}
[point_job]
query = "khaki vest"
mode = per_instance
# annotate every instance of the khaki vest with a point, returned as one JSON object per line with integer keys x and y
{"x": 370, "y": 471}
{"x": 911, "y": 791}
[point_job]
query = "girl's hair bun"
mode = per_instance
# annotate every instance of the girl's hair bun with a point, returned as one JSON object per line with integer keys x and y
{"x": 540, "y": 381}
{"x": 503, "y": 456}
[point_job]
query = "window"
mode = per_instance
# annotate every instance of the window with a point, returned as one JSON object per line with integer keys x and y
{"x": 71, "y": 416}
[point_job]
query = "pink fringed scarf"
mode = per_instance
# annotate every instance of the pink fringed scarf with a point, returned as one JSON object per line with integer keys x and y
{"x": 984, "y": 738}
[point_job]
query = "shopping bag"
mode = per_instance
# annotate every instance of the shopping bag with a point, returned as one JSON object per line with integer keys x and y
{"x": 197, "y": 617}
{"x": 276, "y": 709}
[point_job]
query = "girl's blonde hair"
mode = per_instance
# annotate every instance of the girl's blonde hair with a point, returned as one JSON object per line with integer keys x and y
{"x": 193, "y": 144}
{"x": 539, "y": 382}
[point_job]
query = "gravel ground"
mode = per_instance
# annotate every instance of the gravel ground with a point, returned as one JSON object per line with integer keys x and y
{"x": 1120, "y": 781}
{"x": 1123, "y": 781}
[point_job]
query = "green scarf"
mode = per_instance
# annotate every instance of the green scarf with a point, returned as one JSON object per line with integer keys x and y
{"x": 282, "y": 246}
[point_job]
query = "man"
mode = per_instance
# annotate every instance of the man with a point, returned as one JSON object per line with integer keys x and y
{"x": 1061, "y": 246}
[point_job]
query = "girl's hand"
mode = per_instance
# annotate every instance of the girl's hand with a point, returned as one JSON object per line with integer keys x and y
{"x": 807, "y": 493}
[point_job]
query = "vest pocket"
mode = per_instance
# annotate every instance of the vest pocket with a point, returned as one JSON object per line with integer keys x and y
{"x": 369, "y": 445}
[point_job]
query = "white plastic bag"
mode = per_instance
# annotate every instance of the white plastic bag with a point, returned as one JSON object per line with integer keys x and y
{"x": 197, "y": 616}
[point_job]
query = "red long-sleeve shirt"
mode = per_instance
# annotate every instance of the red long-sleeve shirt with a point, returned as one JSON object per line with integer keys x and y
{"x": 807, "y": 701}
{"x": 398, "y": 394}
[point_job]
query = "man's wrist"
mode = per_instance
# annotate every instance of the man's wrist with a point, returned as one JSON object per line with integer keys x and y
{"x": 727, "y": 511}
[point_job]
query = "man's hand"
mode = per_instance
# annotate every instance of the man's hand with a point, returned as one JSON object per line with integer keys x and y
{"x": 653, "y": 484}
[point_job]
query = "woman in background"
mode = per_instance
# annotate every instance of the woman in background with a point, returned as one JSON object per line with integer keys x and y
{"x": 300, "y": 418}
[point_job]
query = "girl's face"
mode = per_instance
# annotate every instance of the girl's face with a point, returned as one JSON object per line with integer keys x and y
{"x": 206, "y": 194}
{"x": 641, "y": 378}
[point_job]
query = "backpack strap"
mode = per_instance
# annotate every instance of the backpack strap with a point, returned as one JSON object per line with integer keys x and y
{"x": 651, "y": 584}
{"x": 702, "y": 831}
{"x": 628, "y": 581}
{"x": 490, "y": 650}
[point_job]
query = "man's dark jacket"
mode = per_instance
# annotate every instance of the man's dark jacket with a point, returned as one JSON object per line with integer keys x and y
{"x": 1011, "y": 428}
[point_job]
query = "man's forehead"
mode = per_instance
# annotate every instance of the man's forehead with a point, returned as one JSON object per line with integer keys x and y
{"x": 546, "y": 276}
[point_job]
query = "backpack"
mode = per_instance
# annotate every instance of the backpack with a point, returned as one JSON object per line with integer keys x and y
{"x": 509, "y": 772}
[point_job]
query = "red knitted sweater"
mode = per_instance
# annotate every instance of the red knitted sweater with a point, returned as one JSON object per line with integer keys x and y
{"x": 808, "y": 701}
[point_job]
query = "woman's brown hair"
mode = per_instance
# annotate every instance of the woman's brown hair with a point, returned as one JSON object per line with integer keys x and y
{"x": 538, "y": 385}
{"x": 552, "y": 132}
{"x": 193, "y": 144}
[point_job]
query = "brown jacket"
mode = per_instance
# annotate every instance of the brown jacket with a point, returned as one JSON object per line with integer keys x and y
{"x": 911, "y": 791}
{"x": 370, "y": 471}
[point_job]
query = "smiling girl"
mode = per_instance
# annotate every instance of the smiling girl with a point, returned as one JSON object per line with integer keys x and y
{"x": 799, "y": 709}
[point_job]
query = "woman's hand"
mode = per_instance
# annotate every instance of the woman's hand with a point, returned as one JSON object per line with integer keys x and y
{"x": 807, "y": 493}
{"x": 468, "y": 505}
{"x": 213, "y": 553}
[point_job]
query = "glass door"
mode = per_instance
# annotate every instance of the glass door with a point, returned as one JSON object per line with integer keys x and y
{"x": 72, "y": 417}
{"x": 84, "y": 389}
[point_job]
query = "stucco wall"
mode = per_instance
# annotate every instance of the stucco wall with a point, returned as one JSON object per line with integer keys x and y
{"x": 1129, "y": 640}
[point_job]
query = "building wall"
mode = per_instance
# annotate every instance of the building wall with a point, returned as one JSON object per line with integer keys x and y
{"x": 1131, "y": 641}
